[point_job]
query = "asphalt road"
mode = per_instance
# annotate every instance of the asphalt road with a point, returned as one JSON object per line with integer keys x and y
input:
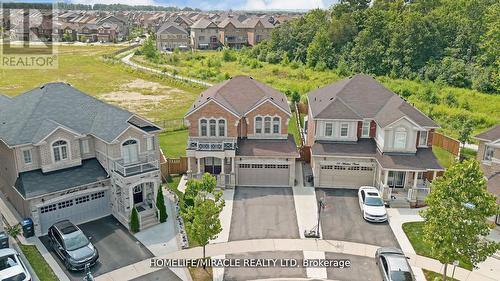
{"x": 263, "y": 212}
{"x": 342, "y": 220}
{"x": 361, "y": 269}
{"x": 159, "y": 275}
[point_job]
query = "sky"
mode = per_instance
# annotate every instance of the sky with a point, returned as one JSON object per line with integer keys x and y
{"x": 214, "y": 4}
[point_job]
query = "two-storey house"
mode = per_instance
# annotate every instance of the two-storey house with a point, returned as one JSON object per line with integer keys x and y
{"x": 489, "y": 156}
{"x": 204, "y": 35}
{"x": 259, "y": 29}
{"x": 171, "y": 36}
{"x": 233, "y": 33}
{"x": 361, "y": 133}
{"x": 67, "y": 155}
{"x": 238, "y": 131}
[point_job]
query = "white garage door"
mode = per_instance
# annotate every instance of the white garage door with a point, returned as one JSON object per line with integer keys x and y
{"x": 345, "y": 176}
{"x": 78, "y": 209}
{"x": 263, "y": 174}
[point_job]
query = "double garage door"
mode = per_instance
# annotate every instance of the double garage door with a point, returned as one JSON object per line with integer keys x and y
{"x": 346, "y": 176}
{"x": 77, "y": 209}
{"x": 264, "y": 174}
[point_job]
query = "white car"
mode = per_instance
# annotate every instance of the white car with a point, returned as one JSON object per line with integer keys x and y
{"x": 371, "y": 204}
{"x": 12, "y": 267}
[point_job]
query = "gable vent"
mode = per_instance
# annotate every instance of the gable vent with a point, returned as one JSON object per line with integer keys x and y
{"x": 331, "y": 98}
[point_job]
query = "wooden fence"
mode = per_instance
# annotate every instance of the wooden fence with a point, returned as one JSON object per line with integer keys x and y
{"x": 305, "y": 154}
{"x": 173, "y": 166}
{"x": 449, "y": 144}
{"x": 171, "y": 125}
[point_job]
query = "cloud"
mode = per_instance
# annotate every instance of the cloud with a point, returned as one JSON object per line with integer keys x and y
{"x": 283, "y": 4}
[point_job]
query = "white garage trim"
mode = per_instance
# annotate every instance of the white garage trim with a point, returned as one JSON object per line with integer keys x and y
{"x": 346, "y": 175}
{"x": 263, "y": 174}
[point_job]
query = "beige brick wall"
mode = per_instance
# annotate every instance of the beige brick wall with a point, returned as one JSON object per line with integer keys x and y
{"x": 35, "y": 158}
{"x": 8, "y": 172}
{"x": 114, "y": 150}
{"x": 488, "y": 168}
{"x": 212, "y": 110}
{"x": 267, "y": 109}
{"x": 60, "y": 134}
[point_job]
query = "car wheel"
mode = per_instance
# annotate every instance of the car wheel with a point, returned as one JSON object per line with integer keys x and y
{"x": 66, "y": 264}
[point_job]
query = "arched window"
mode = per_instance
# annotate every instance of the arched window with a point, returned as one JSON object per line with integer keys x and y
{"x": 258, "y": 125}
{"x": 400, "y": 138}
{"x": 222, "y": 128}
{"x": 213, "y": 128}
{"x": 267, "y": 125}
{"x": 130, "y": 151}
{"x": 203, "y": 127}
{"x": 276, "y": 125}
{"x": 60, "y": 150}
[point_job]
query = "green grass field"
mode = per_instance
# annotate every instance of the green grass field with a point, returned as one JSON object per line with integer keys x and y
{"x": 40, "y": 266}
{"x": 444, "y": 157}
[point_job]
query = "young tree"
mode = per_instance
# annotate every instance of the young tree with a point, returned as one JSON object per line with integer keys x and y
{"x": 160, "y": 204}
{"x": 465, "y": 132}
{"x": 455, "y": 221}
{"x": 134, "y": 221}
{"x": 202, "y": 219}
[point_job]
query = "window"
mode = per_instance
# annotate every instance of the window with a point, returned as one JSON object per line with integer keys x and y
{"x": 328, "y": 129}
{"x": 258, "y": 125}
{"x": 276, "y": 125}
{"x": 267, "y": 125}
{"x": 60, "y": 150}
{"x": 203, "y": 128}
{"x": 245, "y": 166}
{"x": 213, "y": 128}
{"x": 422, "y": 140}
{"x": 400, "y": 138}
{"x": 85, "y": 146}
{"x": 150, "y": 143}
{"x": 65, "y": 204}
{"x": 27, "y": 156}
{"x": 488, "y": 153}
{"x": 48, "y": 208}
{"x": 365, "y": 132}
{"x": 222, "y": 128}
{"x": 344, "y": 130}
{"x": 257, "y": 166}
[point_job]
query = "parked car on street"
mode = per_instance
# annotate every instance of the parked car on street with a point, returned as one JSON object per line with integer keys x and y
{"x": 393, "y": 264}
{"x": 72, "y": 246}
{"x": 371, "y": 204}
{"x": 12, "y": 267}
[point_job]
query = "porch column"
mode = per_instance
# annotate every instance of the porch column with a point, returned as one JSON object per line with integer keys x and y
{"x": 232, "y": 165}
{"x": 434, "y": 175}
{"x": 199, "y": 165}
{"x": 223, "y": 160}
{"x": 386, "y": 176}
{"x": 189, "y": 165}
{"x": 415, "y": 179}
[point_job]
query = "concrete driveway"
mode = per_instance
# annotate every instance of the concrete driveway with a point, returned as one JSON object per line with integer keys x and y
{"x": 117, "y": 247}
{"x": 263, "y": 212}
{"x": 362, "y": 268}
{"x": 159, "y": 275}
{"x": 342, "y": 220}
{"x": 258, "y": 273}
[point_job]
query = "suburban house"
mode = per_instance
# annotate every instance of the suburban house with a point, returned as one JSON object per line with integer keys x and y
{"x": 111, "y": 28}
{"x": 360, "y": 133}
{"x": 238, "y": 131}
{"x": 204, "y": 35}
{"x": 258, "y": 30}
{"x": 171, "y": 36}
{"x": 67, "y": 155}
{"x": 233, "y": 33}
{"x": 489, "y": 157}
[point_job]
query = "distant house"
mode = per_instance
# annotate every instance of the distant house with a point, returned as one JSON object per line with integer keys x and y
{"x": 489, "y": 156}
{"x": 258, "y": 30}
{"x": 204, "y": 35}
{"x": 171, "y": 36}
{"x": 112, "y": 28}
{"x": 233, "y": 33}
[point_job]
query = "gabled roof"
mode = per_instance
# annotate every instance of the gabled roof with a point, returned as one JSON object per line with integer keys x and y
{"x": 232, "y": 21}
{"x": 252, "y": 22}
{"x": 366, "y": 98}
{"x": 172, "y": 28}
{"x": 31, "y": 116}
{"x": 491, "y": 135}
{"x": 241, "y": 94}
{"x": 203, "y": 23}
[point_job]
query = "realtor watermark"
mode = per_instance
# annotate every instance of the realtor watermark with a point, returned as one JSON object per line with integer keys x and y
{"x": 27, "y": 36}
{"x": 251, "y": 263}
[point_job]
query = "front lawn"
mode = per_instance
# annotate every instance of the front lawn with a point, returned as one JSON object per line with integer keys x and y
{"x": 293, "y": 129}
{"x": 200, "y": 274}
{"x": 414, "y": 232}
{"x": 173, "y": 144}
{"x": 38, "y": 263}
{"x": 431, "y": 276}
{"x": 444, "y": 157}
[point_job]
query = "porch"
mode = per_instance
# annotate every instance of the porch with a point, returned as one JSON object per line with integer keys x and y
{"x": 222, "y": 168}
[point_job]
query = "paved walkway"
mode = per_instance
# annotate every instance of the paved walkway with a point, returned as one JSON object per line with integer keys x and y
{"x": 273, "y": 245}
{"x": 127, "y": 61}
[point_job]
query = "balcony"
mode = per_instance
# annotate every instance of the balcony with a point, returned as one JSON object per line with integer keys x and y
{"x": 146, "y": 163}
{"x": 211, "y": 144}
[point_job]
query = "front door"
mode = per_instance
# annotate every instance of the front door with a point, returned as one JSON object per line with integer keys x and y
{"x": 396, "y": 179}
{"x": 138, "y": 194}
{"x": 213, "y": 165}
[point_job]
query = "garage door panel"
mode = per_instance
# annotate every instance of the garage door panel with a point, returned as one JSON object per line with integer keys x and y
{"x": 263, "y": 174}
{"x": 345, "y": 176}
{"x": 77, "y": 209}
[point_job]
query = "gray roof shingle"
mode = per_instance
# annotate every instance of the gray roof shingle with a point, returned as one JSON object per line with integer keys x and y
{"x": 172, "y": 28}
{"x": 268, "y": 147}
{"x": 492, "y": 134}
{"x": 31, "y": 116}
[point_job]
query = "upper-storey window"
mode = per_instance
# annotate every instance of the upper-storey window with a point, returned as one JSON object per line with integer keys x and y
{"x": 276, "y": 125}
{"x": 267, "y": 125}
{"x": 212, "y": 127}
{"x": 400, "y": 138}
{"x": 488, "y": 153}
{"x": 85, "y": 146}
{"x": 60, "y": 150}
{"x": 344, "y": 129}
{"x": 422, "y": 139}
{"x": 258, "y": 125}
{"x": 365, "y": 132}
{"x": 222, "y": 127}
{"x": 130, "y": 151}
{"x": 328, "y": 129}
{"x": 27, "y": 156}
{"x": 203, "y": 127}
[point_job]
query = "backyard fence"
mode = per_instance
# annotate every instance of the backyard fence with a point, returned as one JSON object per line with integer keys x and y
{"x": 302, "y": 108}
{"x": 171, "y": 125}
{"x": 449, "y": 144}
{"x": 305, "y": 154}
{"x": 172, "y": 166}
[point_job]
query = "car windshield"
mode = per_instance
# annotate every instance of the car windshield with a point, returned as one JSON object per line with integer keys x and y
{"x": 7, "y": 261}
{"x": 76, "y": 240}
{"x": 374, "y": 201}
{"x": 401, "y": 276}
{"x": 18, "y": 277}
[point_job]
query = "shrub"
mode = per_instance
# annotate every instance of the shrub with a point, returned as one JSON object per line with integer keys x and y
{"x": 295, "y": 96}
{"x": 295, "y": 64}
{"x": 228, "y": 55}
{"x": 134, "y": 221}
{"x": 273, "y": 57}
{"x": 14, "y": 230}
{"x": 160, "y": 204}
{"x": 321, "y": 66}
{"x": 450, "y": 100}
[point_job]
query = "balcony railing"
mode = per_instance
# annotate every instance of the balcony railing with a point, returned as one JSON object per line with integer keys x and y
{"x": 144, "y": 164}
{"x": 211, "y": 145}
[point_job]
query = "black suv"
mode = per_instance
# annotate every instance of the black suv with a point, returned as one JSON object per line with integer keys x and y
{"x": 72, "y": 246}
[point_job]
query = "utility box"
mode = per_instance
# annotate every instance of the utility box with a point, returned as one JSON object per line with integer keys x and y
{"x": 28, "y": 229}
{"x": 4, "y": 240}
